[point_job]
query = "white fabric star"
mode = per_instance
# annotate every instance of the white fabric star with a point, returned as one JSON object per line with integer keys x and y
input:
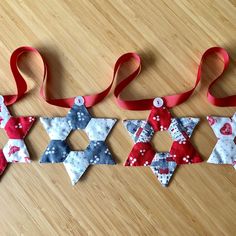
{"x": 224, "y": 151}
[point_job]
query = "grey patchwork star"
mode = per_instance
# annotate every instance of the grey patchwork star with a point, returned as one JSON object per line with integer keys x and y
{"x": 58, "y": 129}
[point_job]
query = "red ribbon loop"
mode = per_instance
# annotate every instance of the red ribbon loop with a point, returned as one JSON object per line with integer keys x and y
{"x": 21, "y": 85}
{"x": 224, "y": 101}
{"x": 19, "y": 80}
{"x": 131, "y": 104}
{"x": 172, "y": 100}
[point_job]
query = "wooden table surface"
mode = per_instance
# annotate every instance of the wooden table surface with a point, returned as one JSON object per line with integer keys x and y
{"x": 81, "y": 41}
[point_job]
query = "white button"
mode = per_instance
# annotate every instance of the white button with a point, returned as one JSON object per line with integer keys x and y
{"x": 158, "y": 102}
{"x": 1, "y": 99}
{"x": 79, "y": 101}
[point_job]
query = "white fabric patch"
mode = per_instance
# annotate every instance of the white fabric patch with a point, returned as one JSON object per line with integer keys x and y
{"x": 98, "y": 128}
{"x": 4, "y": 113}
{"x": 76, "y": 164}
{"x": 57, "y": 128}
{"x": 223, "y": 153}
{"x": 223, "y": 127}
{"x": 16, "y": 151}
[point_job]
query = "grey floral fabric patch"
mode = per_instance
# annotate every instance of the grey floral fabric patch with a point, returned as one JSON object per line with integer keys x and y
{"x": 163, "y": 166}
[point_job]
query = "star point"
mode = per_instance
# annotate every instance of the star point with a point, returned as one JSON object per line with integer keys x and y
{"x": 98, "y": 128}
{"x": 57, "y": 128}
{"x": 163, "y": 167}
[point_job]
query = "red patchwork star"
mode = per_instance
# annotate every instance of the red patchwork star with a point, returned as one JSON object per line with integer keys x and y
{"x": 16, "y": 129}
{"x": 181, "y": 151}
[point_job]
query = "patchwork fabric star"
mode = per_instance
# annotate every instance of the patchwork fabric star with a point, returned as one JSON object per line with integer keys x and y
{"x": 16, "y": 129}
{"x": 76, "y": 162}
{"x": 224, "y": 151}
{"x": 182, "y": 151}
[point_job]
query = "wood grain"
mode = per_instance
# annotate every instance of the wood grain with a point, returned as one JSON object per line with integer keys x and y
{"x": 81, "y": 40}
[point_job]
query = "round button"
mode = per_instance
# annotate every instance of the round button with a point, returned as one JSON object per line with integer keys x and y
{"x": 79, "y": 101}
{"x": 1, "y": 99}
{"x": 158, "y": 102}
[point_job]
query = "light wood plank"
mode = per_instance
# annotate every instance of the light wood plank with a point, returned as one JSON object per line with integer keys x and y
{"x": 81, "y": 40}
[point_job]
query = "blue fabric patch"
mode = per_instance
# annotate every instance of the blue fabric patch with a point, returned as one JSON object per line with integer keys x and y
{"x": 78, "y": 117}
{"x": 56, "y": 152}
{"x": 97, "y": 152}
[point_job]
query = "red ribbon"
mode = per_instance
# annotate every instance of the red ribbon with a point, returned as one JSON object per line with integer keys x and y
{"x": 224, "y": 101}
{"x": 172, "y": 100}
{"x": 22, "y": 86}
{"x": 90, "y": 100}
